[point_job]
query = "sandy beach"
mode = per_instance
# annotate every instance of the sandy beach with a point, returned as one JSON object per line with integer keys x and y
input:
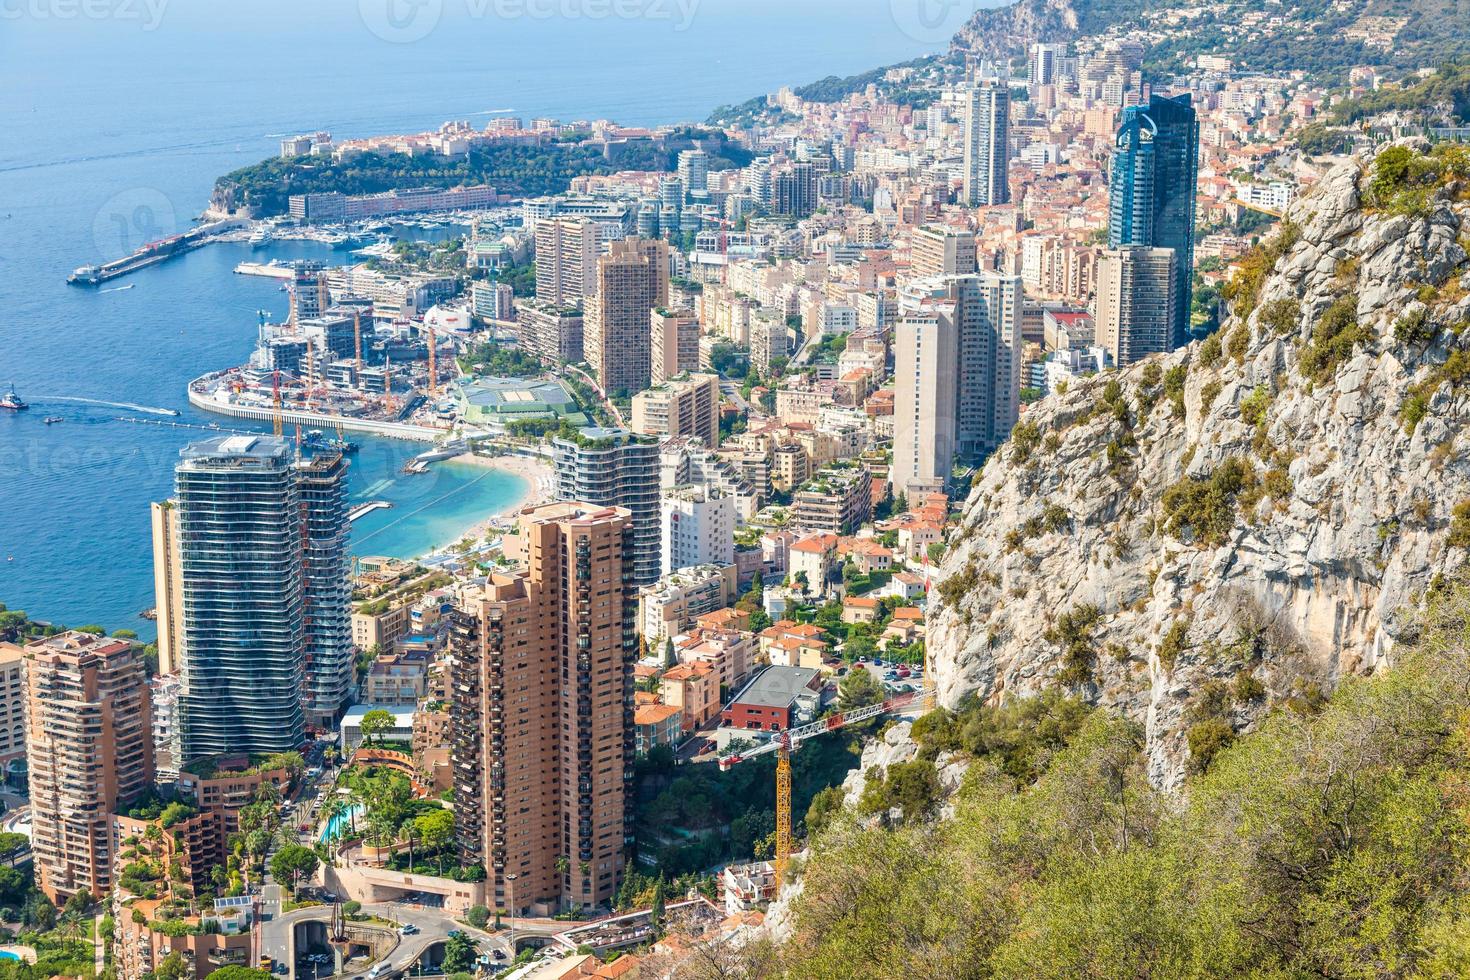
{"x": 535, "y": 471}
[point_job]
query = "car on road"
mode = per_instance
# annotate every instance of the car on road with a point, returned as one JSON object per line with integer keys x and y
{"x": 408, "y": 929}
{"x": 455, "y": 932}
{"x": 377, "y": 970}
{"x": 499, "y": 954}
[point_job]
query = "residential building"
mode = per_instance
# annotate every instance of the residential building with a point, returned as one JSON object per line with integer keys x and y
{"x": 396, "y": 680}
{"x": 813, "y": 559}
{"x": 794, "y": 191}
{"x": 12, "y": 705}
{"x": 838, "y": 499}
{"x": 986, "y": 311}
{"x": 671, "y": 605}
{"x": 925, "y": 403}
{"x": 553, "y": 333}
{"x": 1137, "y": 290}
{"x": 697, "y": 525}
{"x": 566, "y": 260}
{"x": 694, "y": 688}
{"x": 89, "y": 749}
{"x": 941, "y": 251}
{"x": 631, "y": 281}
{"x": 987, "y": 152}
{"x": 694, "y": 171}
{"x": 615, "y": 468}
{"x": 243, "y": 583}
{"x": 321, "y": 483}
{"x": 168, "y": 586}
{"x": 543, "y": 713}
{"x": 378, "y": 629}
{"x": 683, "y": 406}
{"x": 673, "y": 344}
{"x": 1152, "y": 183}
{"x": 656, "y": 724}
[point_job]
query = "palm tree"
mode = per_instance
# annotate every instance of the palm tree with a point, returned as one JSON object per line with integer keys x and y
{"x": 409, "y": 831}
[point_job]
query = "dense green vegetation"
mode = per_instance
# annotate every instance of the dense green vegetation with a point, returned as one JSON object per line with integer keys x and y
{"x": 501, "y": 361}
{"x": 1331, "y": 842}
{"x": 1449, "y": 87}
{"x": 516, "y": 169}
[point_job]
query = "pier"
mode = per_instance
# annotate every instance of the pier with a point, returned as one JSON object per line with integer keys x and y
{"x": 362, "y": 510}
{"x": 150, "y": 254}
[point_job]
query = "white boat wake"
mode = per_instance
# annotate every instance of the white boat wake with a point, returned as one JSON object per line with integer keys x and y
{"x": 93, "y": 401}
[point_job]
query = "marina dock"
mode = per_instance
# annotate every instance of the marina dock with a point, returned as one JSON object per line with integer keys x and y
{"x": 362, "y": 510}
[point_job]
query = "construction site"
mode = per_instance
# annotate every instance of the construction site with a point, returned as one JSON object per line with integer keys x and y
{"x": 341, "y": 360}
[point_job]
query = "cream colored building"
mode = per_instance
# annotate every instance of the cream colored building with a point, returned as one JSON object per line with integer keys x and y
{"x": 168, "y": 586}
{"x": 12, "y": 703}
{"x": 680, "y": 407}
{"x": 925, "y": 357}
{"x": 1135, "y": 302}
{"x": 673, "y": 344}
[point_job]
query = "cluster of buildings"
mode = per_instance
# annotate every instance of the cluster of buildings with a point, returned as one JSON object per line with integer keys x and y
{"x": 805, "y": 356}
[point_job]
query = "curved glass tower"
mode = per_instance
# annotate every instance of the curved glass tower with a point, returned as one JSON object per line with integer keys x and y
{"x": 1151, "y": 191}
{"x": 241, "y": 550}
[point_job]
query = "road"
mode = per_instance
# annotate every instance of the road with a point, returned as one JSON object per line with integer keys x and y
{"x": 433, "y": 924}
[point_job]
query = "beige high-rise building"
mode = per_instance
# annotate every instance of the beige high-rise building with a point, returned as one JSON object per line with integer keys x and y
{"x": 939, "y": 251}
{"x": 553, "y": 333}
{"x": 12, "y": 704}
{"x": 1135, "y": 302}
{"x": 168, "y": 586}
{"x": 542, "y": 712}
{"x": 630, "y": 282}
{"x": 925, "y": 358}
{"x": 673, "y": 344}
{"x": 90, "y": 750}
{"x": 682, "y": 407}
{"x": 566, "y": 255}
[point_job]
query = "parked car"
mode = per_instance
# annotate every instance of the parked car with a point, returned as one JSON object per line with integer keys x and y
{"x": 903, "y": 672}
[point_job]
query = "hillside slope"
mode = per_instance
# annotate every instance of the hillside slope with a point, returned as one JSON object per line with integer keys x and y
{"x": 1316, "y": 36}
{"x": 1250, "y": 518}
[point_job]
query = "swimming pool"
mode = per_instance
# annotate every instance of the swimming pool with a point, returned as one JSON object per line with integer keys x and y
{"x": 342, "y": 822}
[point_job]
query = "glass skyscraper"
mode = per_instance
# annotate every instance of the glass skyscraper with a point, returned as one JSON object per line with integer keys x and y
{"x": 1151, "y": 188}
{"x": 263, "y": 594}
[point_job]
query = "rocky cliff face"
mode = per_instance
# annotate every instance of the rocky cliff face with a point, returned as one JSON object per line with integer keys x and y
{"x": 1001, "y": 32}
{"x": 1250, "y": 518}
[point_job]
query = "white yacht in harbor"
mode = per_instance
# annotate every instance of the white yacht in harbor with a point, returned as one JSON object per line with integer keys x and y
{"x": 261, "y": 237}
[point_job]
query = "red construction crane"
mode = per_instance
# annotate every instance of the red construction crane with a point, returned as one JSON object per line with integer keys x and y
{"x": 786, "y": 743}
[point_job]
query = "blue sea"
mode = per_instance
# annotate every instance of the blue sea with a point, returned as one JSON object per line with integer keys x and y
{"x": 117, "y": 115}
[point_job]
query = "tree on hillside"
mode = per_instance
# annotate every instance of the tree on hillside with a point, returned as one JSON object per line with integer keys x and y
{"x": 436, "y": 830}
{"x": 858, "y": 690}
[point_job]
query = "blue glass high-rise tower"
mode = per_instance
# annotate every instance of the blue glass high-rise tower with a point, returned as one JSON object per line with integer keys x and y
{"x": 1151, "y": 190}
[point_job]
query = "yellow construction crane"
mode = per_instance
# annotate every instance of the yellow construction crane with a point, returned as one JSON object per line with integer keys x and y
{"x": 786, "y": 743}
{"x": 433, "y": 366}
{"x": 276, "y": 403}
